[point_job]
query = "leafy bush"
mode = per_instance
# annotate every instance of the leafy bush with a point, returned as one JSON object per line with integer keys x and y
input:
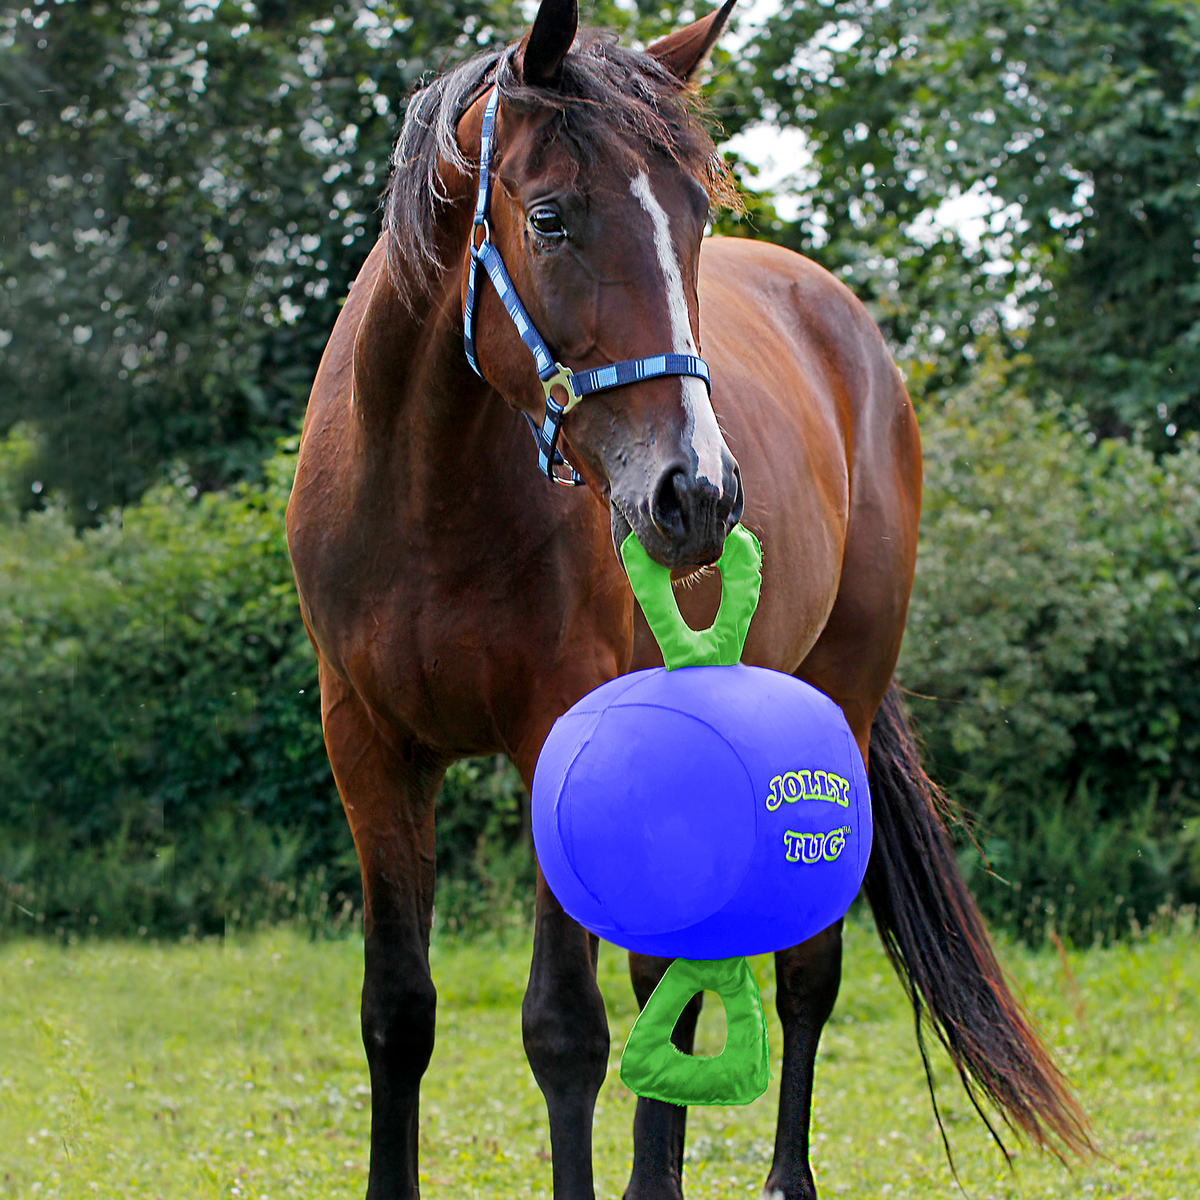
{"x": 159, "y": 711}
{"x": 161, "y": 762}
{"x": 1053, "y": 647}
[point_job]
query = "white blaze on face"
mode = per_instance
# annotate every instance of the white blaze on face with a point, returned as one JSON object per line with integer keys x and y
{"x": 702, "y": 431}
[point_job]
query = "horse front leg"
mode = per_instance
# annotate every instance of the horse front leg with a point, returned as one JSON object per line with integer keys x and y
{"x": 806, "y": 986}
{"x": 388, "y": 788}
{"x": 658, "y": 1128}
{"x": 566, "y": 1039}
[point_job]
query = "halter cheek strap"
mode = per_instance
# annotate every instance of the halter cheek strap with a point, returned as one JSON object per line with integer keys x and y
{"x": 575, "y": 384}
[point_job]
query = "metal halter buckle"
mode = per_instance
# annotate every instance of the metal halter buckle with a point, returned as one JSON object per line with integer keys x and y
{"x": 561, "y": 378}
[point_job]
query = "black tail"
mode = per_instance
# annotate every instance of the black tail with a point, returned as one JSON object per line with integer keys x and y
{"x": 936, "y": 939}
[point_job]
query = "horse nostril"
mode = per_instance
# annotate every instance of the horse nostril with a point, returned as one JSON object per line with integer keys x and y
{"x": 733, "y": 508}
{"x": 667, "y": 509}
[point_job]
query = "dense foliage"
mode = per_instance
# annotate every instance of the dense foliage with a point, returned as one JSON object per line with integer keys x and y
{"x": 1074, "y": 124}
{"x": 1053, "y": 649}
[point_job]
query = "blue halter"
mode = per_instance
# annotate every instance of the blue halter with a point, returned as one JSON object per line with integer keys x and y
{"x": 576, "y": 384}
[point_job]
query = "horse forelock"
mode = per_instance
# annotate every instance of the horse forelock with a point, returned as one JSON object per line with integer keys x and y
{"x": 610, "y": 98}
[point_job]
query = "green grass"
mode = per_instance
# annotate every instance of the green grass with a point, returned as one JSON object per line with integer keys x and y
{"x": 236, "y": 1070}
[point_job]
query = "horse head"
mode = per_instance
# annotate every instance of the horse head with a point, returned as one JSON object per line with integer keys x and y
{"x": 602, "y": 180}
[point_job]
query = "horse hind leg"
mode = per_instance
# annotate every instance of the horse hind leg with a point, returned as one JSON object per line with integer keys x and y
{"x": 388, "y": 795}
{"x": 807, "y": 977}
{"x": 659, "y": 1129}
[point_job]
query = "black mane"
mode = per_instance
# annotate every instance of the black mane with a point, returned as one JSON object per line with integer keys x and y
{"x": 609, "y": 97}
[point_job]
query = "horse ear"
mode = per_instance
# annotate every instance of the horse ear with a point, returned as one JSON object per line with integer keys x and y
{"x": 548, "y": 41}
{"x": 683, "y": 51}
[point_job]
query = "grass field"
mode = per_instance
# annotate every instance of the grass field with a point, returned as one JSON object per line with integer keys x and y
{"x": 236, "y": 1070}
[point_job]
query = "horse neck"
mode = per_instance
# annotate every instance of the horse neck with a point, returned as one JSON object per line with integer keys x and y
{"x": 423, "y": 417}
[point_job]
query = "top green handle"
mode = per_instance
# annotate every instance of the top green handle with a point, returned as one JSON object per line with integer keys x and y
{"x": 721, "y": 644}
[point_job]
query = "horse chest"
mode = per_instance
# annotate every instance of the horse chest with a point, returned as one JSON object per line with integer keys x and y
{"x": 459, "y": 657}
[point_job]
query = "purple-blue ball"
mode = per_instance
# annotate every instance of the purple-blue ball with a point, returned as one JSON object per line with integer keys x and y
{"x": 703, "y": 813}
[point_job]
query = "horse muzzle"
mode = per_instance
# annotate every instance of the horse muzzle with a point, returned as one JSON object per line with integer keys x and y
{"x": 683, "y": 519}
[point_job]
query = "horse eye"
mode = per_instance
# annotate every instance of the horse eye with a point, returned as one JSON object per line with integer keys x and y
{"x": 547, "y": 223}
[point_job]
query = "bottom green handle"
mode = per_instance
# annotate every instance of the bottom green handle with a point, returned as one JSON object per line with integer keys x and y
{"x": 651, "y": 1066}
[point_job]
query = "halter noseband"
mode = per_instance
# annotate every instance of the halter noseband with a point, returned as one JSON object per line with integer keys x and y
{"x": 576, "y": 384}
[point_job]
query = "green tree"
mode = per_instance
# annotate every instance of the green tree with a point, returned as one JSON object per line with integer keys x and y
{"x": 1079, "y": 118}
{"x": 193, "y": 187}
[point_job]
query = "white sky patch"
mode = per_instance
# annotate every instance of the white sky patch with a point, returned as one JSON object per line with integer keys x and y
{"x": 703, "y": 434}
{"x": 975, "y": 215}
{"x": 779, "y": 158}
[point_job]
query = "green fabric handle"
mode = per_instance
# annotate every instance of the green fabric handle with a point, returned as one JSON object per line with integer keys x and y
{"x": 721, "y": 644}
{"x": 651, "y": 1066}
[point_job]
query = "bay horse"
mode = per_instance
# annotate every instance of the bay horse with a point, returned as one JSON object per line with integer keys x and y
{"x": 459, "y": 602}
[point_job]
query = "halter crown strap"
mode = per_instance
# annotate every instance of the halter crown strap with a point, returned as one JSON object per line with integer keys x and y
{"x": 574, "y": 384}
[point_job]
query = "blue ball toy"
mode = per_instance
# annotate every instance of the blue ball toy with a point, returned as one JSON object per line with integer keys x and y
{"x": 704, "y": 812}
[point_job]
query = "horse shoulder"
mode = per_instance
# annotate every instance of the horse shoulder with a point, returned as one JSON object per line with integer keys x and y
{"x": 797, "y": 297}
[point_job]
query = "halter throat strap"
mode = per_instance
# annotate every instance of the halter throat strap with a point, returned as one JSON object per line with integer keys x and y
{"x": 574, "y": 385}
